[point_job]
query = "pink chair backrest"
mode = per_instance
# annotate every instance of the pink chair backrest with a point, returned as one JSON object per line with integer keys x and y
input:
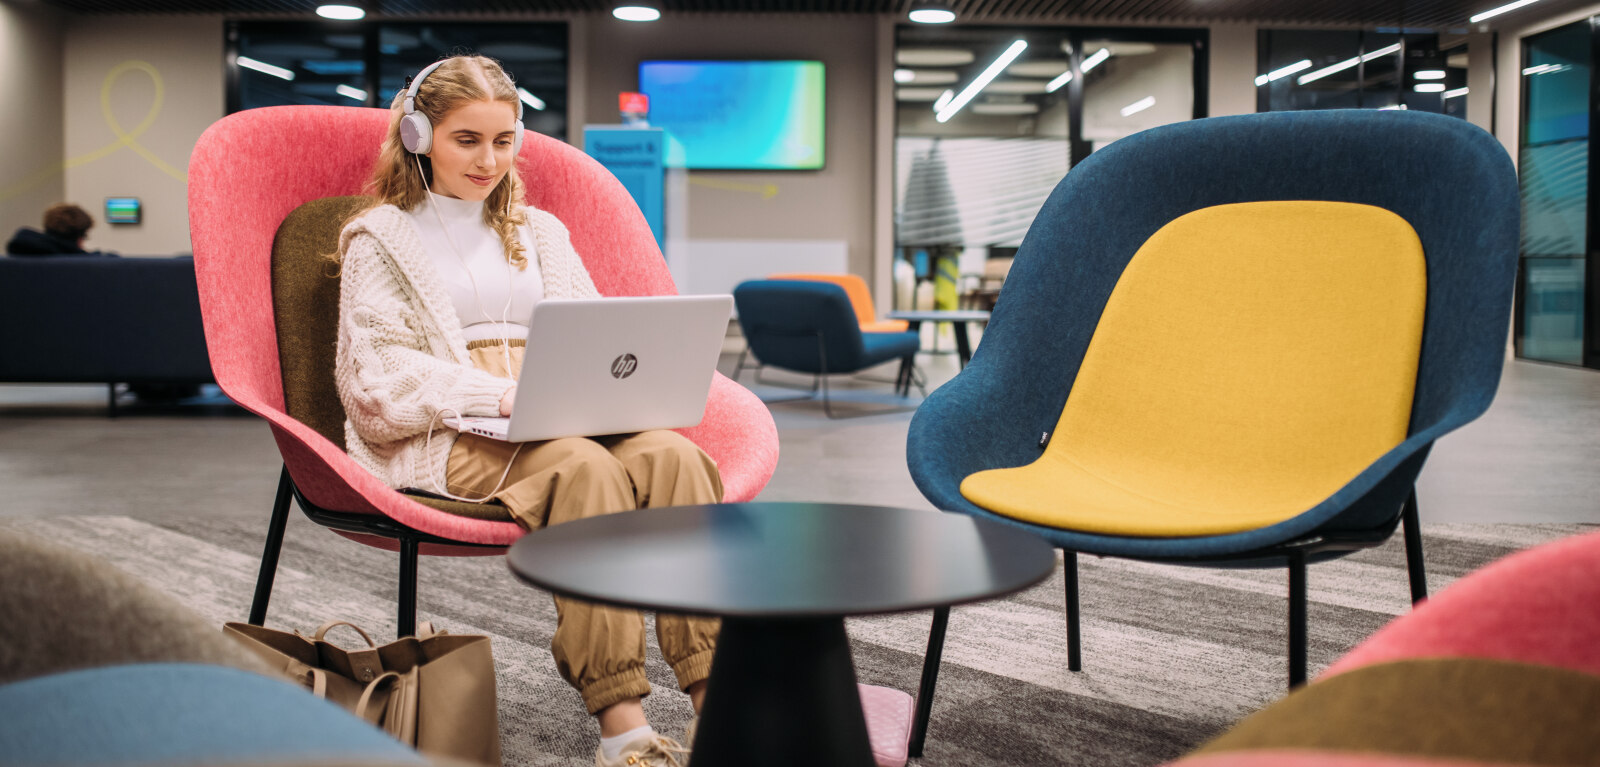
{"x": 252, "y": 168}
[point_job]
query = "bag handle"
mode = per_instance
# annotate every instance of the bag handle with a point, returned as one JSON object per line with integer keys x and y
{"x": 372, "y": 687}
{"x": 319, "y": 682}
{"x": 324, "y": 628}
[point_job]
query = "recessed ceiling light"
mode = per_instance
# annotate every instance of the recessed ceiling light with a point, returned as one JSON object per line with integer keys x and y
{"x": 1018, "y": 86}
{"x": 931, "y": 13}
{"x": 904, "y": 76}
{"x": 637, "y": 10}
{"x": 1005, "y": 109}
{"x": 920, "y": 94}
{"x": 1429, "y": 74}
{"x": 1428, "y": 87}
{"x": 341, "y": 12}
{"x": 933, "y": 57}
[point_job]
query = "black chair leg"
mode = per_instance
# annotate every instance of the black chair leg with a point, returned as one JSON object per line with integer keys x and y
{"x": 269, "y": 553}
{"x": 1297, "y": 619}
{"x": 408, "y": 587}
{"x": 1069, "y": 575}
{"x": 739, "y": 366}
{"x": 902, "y": 382}
{"x": 1414, "y": 564}
{"x": 930, "y": 675}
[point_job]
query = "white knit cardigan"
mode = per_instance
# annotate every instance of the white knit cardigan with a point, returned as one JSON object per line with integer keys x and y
{"x": 402, "y": 361}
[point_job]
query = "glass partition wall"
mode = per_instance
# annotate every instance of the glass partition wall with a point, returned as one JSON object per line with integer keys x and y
{"x": 271, "y": 63}
{"x": 1420, "y": 69}
{"x": 989, "y": 120}
{"x": 1556, "y": 282}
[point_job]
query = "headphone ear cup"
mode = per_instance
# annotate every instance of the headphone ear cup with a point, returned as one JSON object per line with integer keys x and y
{"x": 516, "y": 143}
{"x": 416, "y": 133}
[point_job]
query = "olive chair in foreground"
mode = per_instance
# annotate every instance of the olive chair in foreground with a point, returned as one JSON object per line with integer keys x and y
{"x": 270, "y": 326}
{"x": 1231, "y": 342}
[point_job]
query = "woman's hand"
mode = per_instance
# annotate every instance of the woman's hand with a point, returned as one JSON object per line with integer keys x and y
{"x": 506, "y": 400}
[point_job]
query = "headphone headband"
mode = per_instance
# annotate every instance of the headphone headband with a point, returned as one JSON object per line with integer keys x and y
{"x": 416, "y": 82}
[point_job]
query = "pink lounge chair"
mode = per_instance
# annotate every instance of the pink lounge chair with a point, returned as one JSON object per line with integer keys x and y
{"x": 249, "y": 171}
{"x": 1501, "y": 668}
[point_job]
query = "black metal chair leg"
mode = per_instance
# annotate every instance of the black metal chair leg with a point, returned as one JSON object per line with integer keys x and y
{"x": 111, "y": 399}
{"x": 1069, "y": 573}
{"x": 1297, "y": 619}
{"x": 1414, "y": 563}
{"x": 269, "y": 552}
{"x": 739, "y": 366}
{"x": 930, "y": 676}
{"x": 408, "y": 587}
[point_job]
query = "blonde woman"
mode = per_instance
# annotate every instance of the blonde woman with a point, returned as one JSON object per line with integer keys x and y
{"x": 439, "y": 282}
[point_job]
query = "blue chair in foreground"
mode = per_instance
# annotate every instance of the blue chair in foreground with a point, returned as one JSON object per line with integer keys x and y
{"x": 811, "y": 327}
{"x": 1232, "y": 342}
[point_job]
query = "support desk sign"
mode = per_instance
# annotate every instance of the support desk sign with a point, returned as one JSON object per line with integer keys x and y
{"x": 636, "y": 156}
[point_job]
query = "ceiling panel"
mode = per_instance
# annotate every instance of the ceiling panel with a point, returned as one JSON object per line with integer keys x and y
{"x": 1416, "y": 13}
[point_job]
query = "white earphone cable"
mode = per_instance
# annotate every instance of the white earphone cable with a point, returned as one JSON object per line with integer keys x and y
{"x": 505, "y": 342}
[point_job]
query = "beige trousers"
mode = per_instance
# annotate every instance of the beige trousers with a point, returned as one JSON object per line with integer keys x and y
{"x": 598, "y": 650}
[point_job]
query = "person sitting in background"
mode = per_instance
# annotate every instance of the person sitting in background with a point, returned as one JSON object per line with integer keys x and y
{"x": 65, "y": 226}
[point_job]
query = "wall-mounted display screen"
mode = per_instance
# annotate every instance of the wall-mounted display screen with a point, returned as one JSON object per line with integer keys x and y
{"x": 739, "y": 115}
{"x": 122, "y": 210}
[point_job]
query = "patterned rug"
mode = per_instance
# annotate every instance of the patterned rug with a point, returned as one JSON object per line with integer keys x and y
{"x": 1172, "y": 655}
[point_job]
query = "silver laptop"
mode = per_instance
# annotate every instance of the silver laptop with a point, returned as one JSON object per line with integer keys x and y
{"x": 612, "y": 366}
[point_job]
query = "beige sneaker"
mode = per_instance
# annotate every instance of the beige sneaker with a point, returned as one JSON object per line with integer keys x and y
{"x": 656, "y": 751}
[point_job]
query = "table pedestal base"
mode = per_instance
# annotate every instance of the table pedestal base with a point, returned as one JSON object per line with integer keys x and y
{"x": 782, "y": 692}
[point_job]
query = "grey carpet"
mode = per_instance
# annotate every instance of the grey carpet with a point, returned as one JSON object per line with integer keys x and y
{"x": 1171, "y": 655}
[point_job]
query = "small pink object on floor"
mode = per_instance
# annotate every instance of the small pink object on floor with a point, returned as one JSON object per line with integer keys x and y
{"x": 888, "y": 724}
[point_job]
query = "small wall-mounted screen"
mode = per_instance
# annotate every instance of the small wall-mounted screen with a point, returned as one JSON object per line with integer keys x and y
{"x": 122, "y": 210}
{"x": 739, "y": 115}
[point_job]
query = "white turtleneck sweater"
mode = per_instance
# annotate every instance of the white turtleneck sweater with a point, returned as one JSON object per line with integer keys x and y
{"x": 501, "y": 305}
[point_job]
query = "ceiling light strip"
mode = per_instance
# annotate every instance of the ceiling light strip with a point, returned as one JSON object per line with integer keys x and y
{"x": 1095, "y": 60}
{"x": 1139, "y": 106}
{"x": 264, "y": 68}
{"x": 1278, "y": 74}
{"x": 1347, "y": 63}
{"x": 1489, "y": 14}
{"x": 988, "y": 75}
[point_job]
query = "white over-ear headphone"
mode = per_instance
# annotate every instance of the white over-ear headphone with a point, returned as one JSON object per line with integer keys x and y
{"x": 416, "y": 132}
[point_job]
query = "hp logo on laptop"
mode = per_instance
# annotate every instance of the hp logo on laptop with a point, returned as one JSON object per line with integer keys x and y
{"x": 623, "y": 366}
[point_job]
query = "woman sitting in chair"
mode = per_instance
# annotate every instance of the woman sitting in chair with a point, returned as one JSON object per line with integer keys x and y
{"x": 439, "y": 283}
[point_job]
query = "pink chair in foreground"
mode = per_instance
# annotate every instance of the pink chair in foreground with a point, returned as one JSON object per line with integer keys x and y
{"x": 1501, "y": 668}
{"x": 249, "y": 171}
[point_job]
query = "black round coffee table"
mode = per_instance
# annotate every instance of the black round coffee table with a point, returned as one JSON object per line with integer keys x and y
{"x": 782, "y": 576}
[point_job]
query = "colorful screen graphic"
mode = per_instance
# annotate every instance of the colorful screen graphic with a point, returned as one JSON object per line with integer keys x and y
{"x": 739, "y": 115}
{"x": 122, "y": 210}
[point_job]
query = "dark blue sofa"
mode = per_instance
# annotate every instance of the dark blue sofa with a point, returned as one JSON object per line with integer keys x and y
{"x": 100, "y": 319}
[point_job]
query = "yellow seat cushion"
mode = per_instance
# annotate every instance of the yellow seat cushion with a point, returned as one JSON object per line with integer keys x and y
{"x": 1251, "y": 360}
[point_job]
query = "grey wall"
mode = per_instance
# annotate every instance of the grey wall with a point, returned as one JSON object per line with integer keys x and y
{"x": 1233, "y": 70}
{"x": 835, "y": 203}
{"x": 122, "y": 71}
{"x": 31, "y": 172}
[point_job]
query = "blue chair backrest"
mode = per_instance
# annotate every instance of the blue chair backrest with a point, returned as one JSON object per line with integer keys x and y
{"x": 781, "y": 320}
{"x": 1451, "y": 181}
